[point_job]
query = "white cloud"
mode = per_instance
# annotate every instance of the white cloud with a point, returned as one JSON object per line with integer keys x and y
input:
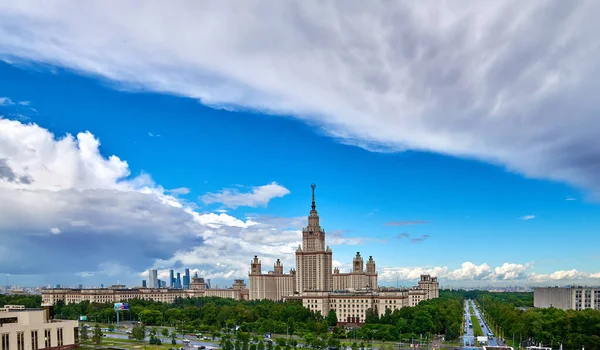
{"x": 5, "y": 101}
{"x": 65, "y": 186}
{"x": 179, "y": 190}
{"x": 569, "y": 198}
{"x": 508, "y": 82}
{"x": 527, "y": 217}
{"x": 562, "y": 275}
{"x": 153, "y": 135}
{"x": 470, "y": 272}
{"x": 257, "y": 196}
{"x": 24, "y": 103}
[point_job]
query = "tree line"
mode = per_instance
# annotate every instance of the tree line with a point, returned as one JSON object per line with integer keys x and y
{"x": 530, "y": 326}
{"x": 211, "y": 315}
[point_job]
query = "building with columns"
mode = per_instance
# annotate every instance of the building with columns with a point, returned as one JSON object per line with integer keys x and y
{"x": 322, "y": 288}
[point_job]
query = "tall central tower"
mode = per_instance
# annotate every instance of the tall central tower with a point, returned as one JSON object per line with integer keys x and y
{"x": 313, "y": 259}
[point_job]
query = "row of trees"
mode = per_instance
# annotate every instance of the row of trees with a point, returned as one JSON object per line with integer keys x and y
{"x": 574, "y": 329}
{"x": 210, "y": 315}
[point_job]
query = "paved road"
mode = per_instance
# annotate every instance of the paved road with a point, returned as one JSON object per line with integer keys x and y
{"x": 467, "y": 331}
{"x": 195, "y": 342}
{"x": 494, "y": 341}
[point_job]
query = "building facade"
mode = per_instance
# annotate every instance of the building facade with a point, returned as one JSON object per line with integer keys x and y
{"x": 153, "y": 279}
{"x": 119, "y": 293}
{"x": 33, "y": 329}
{"x": 567, "y": 298}
{"x": 322, "y": 288}
{"x": 351, "y": 306}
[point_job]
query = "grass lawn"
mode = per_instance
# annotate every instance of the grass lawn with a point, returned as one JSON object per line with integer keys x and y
{"x": 476, "y": 327}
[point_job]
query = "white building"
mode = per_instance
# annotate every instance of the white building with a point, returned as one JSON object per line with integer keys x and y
{"x": 32, "y": 329}
{"x": 567, "y": 298}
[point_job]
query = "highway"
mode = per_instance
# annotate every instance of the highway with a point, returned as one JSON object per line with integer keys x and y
{"x": 493, "y": 341}
{"x": 193, "y": 341}
{"x": 468, "y": 338}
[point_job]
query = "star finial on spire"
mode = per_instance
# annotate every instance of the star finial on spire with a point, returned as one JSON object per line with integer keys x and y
{"x": 313, "y": 186}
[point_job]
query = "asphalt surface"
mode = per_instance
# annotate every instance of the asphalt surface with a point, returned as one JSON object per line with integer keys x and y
{"x": 180, "y": 343}
{"x": 469, "y": 337}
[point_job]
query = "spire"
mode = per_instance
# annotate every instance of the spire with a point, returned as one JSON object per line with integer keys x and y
{"x": 314, "y": 206}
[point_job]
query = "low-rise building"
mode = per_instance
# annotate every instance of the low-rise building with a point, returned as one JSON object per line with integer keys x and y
{"x": 119, "y": 293}
{"x": 567, "y": 298}
{"x": 33, "y": 329}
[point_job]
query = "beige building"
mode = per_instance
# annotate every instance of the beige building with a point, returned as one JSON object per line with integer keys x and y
{"x": 313, "y": 268}
{"x": 567, "y": 298}
{"x": 322, "y": 289}
{"x": 351, "y": 306}
{"x": 118, "y": 293}
{"x": 33, "y": 329}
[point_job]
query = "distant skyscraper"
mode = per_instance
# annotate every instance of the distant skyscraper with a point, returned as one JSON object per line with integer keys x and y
{"x": 186, "y": 279}
{"x": 81, "y": 286}
{"x": 163, "y": 284}
{"x": 178, "y": 280}
{"x": 208, "y": 283}
{"x": 159, "y": 283}
{"x": 171, "y": 279}
{"x": 153, "y": 279}
{"x": 143, "y": 283}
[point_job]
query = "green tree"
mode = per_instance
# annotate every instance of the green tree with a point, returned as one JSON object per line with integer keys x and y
{"x": 83, "y": 334}
{"x": 165, "y": 332}
{"x": 97, "y": 337}
{"x": 260, "y": 345}
{"x": 138, "y": 332}
{"x": 331, "y": 318}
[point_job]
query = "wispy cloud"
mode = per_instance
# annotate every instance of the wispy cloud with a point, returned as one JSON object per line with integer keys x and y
{"x": 153, "y": 135}
{"x": 405, "y": 235}
{"x": 5, "y": 101}
{"x": 372, "y": 212}
{"x": 55, "y": 231}
{"x": 20, "y": 117}
{"x": 24, "y": 103}
{"x": 527, "y": 217}
{"x": 569, "y": 198}
{"x": 419, "y": 239}
{"x": 403, "y": 223}
{"x": 258, "y": 196}
{"x": 179, "y": 190}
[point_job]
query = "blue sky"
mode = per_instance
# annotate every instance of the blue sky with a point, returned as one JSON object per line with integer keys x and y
{"x": 481, "y": 200}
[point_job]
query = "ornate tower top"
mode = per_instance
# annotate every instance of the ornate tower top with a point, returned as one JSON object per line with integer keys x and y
{"x": 314, "y": 206}
{"x": 313, "y": 236}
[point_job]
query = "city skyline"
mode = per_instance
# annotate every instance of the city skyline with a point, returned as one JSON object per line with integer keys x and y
{"x": 189, "y": 154}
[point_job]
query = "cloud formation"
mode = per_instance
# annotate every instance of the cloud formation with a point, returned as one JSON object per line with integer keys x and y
{"x": 179, "y": 191}
{"x": 527, "y": 217}
{"x": 507, "y": 82}
{"x": 413, "y": 239}
{"x": 59, "y": 196}
{"x": 468, "y": 271}
{"x": 5, "y": 101}
{"x": 258, "y": 196}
